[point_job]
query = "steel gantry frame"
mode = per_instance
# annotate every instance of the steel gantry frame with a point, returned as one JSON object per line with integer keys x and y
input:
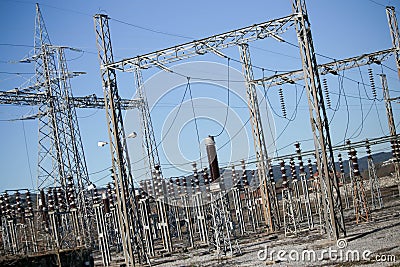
{"x": 19, "y": 97}
{"x": 332, "y": 205}
{"x": 130, "y": 225}
{"x": 272, "y": 28}
{"x": 334, "y": 67}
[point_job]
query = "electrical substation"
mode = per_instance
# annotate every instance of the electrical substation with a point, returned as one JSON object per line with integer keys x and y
{"x": 216, "y": 211}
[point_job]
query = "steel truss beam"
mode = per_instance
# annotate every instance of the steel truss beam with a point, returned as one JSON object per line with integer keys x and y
{"x": 333, "y": 67}
{"x": 13, "y": 97}
{"x": 272, "y": 28}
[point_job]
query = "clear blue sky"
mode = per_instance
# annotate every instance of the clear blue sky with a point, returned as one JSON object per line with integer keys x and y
{"x": 340, "y": 29}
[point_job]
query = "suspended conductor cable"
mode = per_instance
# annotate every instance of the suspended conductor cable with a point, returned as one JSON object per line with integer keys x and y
{"x": 361, "y": 127}
{"x": 362, "y": 122}
{"x": 228, "y": 104}
{"x": 27, "y": 154}
{"x": 379, "y": 119}
{"x": 340, "y": 80}
{"x": 266, "y": 111}
{"x": 173, "y": 121}
{"x": 195, "y": 121}
{"x": 294, "y": 115}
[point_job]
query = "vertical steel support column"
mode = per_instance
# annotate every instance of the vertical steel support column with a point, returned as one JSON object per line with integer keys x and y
{"x": 149, "y": 141}
{"x": 270, "y": 209}
{"x": 394, "y": 33}
{"x": 102, "y": 233}
{"x": 359, "y": 198}
{"x": 392, "y": 128}
{"x": 274, "y": 196}
{"x": 238, "y": 209}
{"x": 163, "y": 224}
{"x": 131, "y": 232}
{"x": 376, "y": 197}
{"x": 237, "y": 202}
{"x": 250, "y": 202}
{"x": 198, "y": 206}
{"x": 343, "y": 181}
{"x": 176, "y": 208}
{"x": 289, "y": 214}
{"x": 144, "y": 207}
{"x": 333, "y": 213}
{"x": 304, "y": 186}
{"x": 296, "y": 190}
{"x": 188, "y": 219}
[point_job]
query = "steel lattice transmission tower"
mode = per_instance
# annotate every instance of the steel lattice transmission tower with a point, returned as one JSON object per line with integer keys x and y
{"x": 60, "y": 147}
{"x": 333, "y": 213}
{"x": 131, "y": 231}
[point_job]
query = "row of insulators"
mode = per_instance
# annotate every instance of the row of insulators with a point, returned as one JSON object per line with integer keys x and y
{"x": 326, "y": 92}
{"x": 293, "y": 169}
{"x": 240, "y": 180}
{"x": 395, "y": 150}
{"x": 299, "y": 157}
{"x": 182, "y": 183}
{"x": 372, "y": 83}
{"x": 341, "y": 167}
{"x": 71, "y": 192}
{"x": 368, "y": 149}
{"x": 56, "y": 200}
{"x": 106, "y": 198}
{"x": 353, "y": 158}
{"x": 19, "y": 208}
{"x": 283, "y": 174}
{"x": 282, "y": 100}
{"x": 326, "y": 89}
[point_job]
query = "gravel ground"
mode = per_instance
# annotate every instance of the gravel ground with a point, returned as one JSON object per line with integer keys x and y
{"x": 374, "y": 243}
{"x": 376, "y": 239}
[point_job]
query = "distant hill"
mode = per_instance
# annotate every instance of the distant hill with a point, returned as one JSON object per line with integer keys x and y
{"x": 378, "y": 158}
